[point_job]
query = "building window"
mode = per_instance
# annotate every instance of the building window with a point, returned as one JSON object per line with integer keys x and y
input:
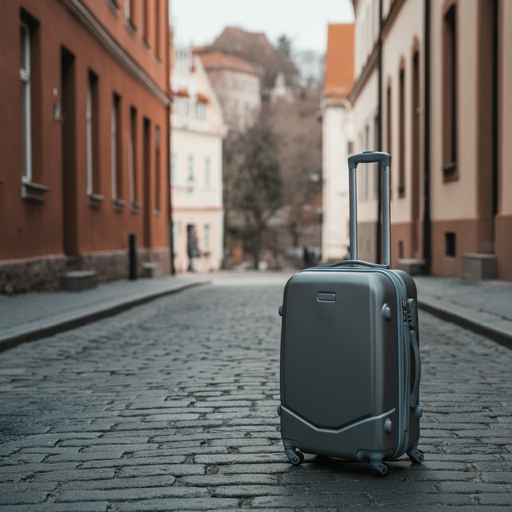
{"x": 132, "y": 158}
{"x": 401, "y": 133}
{"x": 450, "y": 244}
{"x": 366, "y": 167}
{"x": 115, "y": 141}
{"x": 129, "y": 13}
{"x": 92, "y": 133}
{"x": 25, "y": 102}
{"x": 200, "y": 110}
{"x": 450, "y": 93}
{"x": 207, "y": 174}
{"x": 376, "y": 167}
{"x": 182, "y": 105}
{"x": 145, "y": 23}
{"x": 206, "y": 243}
{"x": 157, "y": 28}
{"x": 389, "y": 130}
{"x": 174, "y": 168}
{"x": 191, "y": 178}
{"x": 157, "y": 168}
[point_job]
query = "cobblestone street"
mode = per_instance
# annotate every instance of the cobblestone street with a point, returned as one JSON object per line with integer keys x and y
{"x": 172, "y": 406}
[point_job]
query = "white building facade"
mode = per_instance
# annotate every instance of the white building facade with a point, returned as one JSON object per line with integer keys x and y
{"x": 196, "y": 167}
{"x": 337, "y": 141}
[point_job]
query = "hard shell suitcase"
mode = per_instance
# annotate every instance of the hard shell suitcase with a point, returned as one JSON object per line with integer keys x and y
{"x": 350, "y": 360}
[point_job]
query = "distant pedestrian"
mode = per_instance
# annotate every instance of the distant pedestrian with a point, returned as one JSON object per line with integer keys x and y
{"x": 306, "y": 259}
{"x": 193, "y": 250}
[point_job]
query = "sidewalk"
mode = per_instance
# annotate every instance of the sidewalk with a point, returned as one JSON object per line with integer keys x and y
{"x": 484, "y": 307}
{"x": 37, "y": 315}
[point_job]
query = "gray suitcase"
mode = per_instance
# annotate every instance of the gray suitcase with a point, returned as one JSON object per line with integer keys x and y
{"x": 350, "y": 361}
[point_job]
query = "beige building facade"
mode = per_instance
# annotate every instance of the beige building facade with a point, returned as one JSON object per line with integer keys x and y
{"x": 435, "y": 79}
{"x": 237, "y": 86}
{"x": 196, "y": 167}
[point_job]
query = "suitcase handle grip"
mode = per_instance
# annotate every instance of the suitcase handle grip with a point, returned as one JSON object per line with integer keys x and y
{"x": 368, "y": 157}
{"x": 417, "y": 368}
{"x": 354, "y": 263}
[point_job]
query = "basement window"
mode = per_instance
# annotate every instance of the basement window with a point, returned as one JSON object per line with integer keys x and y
{"x": 450, "y": 244}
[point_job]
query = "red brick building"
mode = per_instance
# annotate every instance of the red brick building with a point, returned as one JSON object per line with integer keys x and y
{"x": 84, "y": 138}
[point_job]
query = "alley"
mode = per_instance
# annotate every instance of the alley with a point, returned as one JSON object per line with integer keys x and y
{"x": 172, "y": 406}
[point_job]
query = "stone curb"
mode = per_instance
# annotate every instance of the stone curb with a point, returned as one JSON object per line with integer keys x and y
{"x": 467, "y": 319}
{"x": 91, "y": 314}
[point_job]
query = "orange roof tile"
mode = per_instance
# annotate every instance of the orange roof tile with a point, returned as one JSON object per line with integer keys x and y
{"x": 202, "y": 98}
{"x": 217, "y": 60}
{"x": 339, "y": 60}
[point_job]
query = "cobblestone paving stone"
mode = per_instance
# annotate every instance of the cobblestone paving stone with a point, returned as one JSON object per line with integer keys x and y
{"x": 172, "y": 406}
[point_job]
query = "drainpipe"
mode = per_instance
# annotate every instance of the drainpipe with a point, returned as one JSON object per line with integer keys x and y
{"x": 169, "y": 128}
{"x": 378, "y": 255}
{"x": 427, "y": 255}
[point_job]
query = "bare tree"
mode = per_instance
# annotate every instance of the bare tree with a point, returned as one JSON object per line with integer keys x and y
{"x": 300, "y": 158}
{"x": 252, "y": 180}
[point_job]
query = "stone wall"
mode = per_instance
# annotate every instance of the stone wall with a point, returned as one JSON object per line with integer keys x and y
{"x": 43, "y": 274}
{"x": 31, "y": 275}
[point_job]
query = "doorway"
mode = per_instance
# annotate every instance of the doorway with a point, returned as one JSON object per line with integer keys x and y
{"x": 68, "y": 127}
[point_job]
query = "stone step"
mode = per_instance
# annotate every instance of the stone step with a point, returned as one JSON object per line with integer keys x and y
{"x": 151, "y": 269}
{"x": 77, "y": 280}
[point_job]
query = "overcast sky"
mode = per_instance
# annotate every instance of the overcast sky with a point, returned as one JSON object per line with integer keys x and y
{"x": 199, "y": 22}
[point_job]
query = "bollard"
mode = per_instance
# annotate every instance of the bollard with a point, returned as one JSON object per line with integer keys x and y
{"x": 132, "y": 243}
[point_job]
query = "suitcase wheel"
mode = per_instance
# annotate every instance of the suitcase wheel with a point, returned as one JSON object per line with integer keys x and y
{"x": 295, "y": 456}
{"x": 415, "y": 456}
{"x": 379, "y": 468}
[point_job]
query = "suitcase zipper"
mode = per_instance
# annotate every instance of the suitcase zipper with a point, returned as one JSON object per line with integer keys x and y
{"x": 403, "y": 360}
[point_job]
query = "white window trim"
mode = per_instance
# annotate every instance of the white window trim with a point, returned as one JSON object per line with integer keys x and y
{"x": 26, "y": 107}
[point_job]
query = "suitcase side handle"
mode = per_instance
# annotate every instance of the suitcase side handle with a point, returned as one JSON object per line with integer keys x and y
{"x": 368, "y": 157}
{"x": 353, "y": 263}
{"x": 417, "y": 368}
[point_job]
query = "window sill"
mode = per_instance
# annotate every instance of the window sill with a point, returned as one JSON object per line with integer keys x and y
{"x": 450, "y": 172}
{"x": 119, "y": 205}
{"x": 130, "y": 26}
{"x": 113, "y": 6}
{"x": 135, "y": 207}
{"x": 95, "y": 200}
{"x": 33, "y": 192}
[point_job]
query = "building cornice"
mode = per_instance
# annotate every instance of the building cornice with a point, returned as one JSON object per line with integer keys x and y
{"x": 390, "y": 18}
{"x": 370, "y": 65}
{"x": 96, "y": 29}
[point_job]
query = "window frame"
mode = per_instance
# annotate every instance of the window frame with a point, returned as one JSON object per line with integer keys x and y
{"x": 207, "y": 238}
{"x": 207, "y": 173}
{"x": 449, "y": 92}
{"x": 190, "y": 171}
{"x": 401, "y": 128}
{"x": 26, "y": 100}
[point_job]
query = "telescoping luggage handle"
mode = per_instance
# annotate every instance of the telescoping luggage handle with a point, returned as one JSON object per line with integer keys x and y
{"x": 369, "y": 157}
